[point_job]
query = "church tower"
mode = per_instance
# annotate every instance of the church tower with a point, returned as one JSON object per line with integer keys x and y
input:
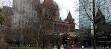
{"x": 51, "y": 10}
{"x": 69, "y": 18}
{"x": 100, "y": 21}
{"x": 100, "y": 17}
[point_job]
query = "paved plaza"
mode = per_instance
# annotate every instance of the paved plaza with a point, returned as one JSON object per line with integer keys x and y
{"x": 88, "y": 48}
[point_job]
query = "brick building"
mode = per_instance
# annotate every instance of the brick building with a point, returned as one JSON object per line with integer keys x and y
{"x": 64, "y": 27}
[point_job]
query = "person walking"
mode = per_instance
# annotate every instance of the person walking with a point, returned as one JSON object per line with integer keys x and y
{"x": 55, "y": 47}
{"x": 62, "y": 47}
{"x": 82, "y": 47}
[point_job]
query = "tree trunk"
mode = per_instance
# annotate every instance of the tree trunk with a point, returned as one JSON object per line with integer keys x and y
{"x": 38, "y": 37}
{"x": 37, "y": 44}
{"x": 94, "y": 26}
{"x": 38, "y": 40}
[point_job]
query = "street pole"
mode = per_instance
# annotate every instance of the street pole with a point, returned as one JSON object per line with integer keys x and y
{"x": 68, "y": 43}
{"x": 58, "y": 41}
{"x": 94, "y": 26}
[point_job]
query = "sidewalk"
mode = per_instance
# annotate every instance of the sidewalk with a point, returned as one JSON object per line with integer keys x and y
{"x": 90, "y": 48}
{"x": 75, "y": 48}
{"x": 98, "y": 48}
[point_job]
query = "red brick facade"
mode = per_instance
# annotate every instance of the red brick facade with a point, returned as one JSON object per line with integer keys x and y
{"x": 63, "y": 27}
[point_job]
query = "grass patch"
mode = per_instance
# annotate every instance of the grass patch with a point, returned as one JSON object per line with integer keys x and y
{"x": 9, "y": 47}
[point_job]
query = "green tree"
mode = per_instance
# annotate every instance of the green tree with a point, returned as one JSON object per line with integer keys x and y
{"x": 2, "y": 42}
{"x": 2, "y": 18}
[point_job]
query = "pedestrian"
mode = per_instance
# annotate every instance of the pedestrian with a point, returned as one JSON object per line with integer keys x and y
{"x": 107, "y": 47}
{"x": 62, "y": 47}
{"x": 82, "y": 47}
{"x": 55, "y": 47}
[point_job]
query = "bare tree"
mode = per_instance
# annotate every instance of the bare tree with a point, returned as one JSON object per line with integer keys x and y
{"x": 45, "y": 15}
{"x": 91, "y": 11}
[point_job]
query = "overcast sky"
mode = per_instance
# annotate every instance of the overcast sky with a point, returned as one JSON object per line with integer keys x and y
{"x": 64, "y": 6}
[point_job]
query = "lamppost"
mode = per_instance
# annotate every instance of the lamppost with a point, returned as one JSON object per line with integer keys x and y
{"x": 68, "y": 41}
{"x": 1, "y": 7}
